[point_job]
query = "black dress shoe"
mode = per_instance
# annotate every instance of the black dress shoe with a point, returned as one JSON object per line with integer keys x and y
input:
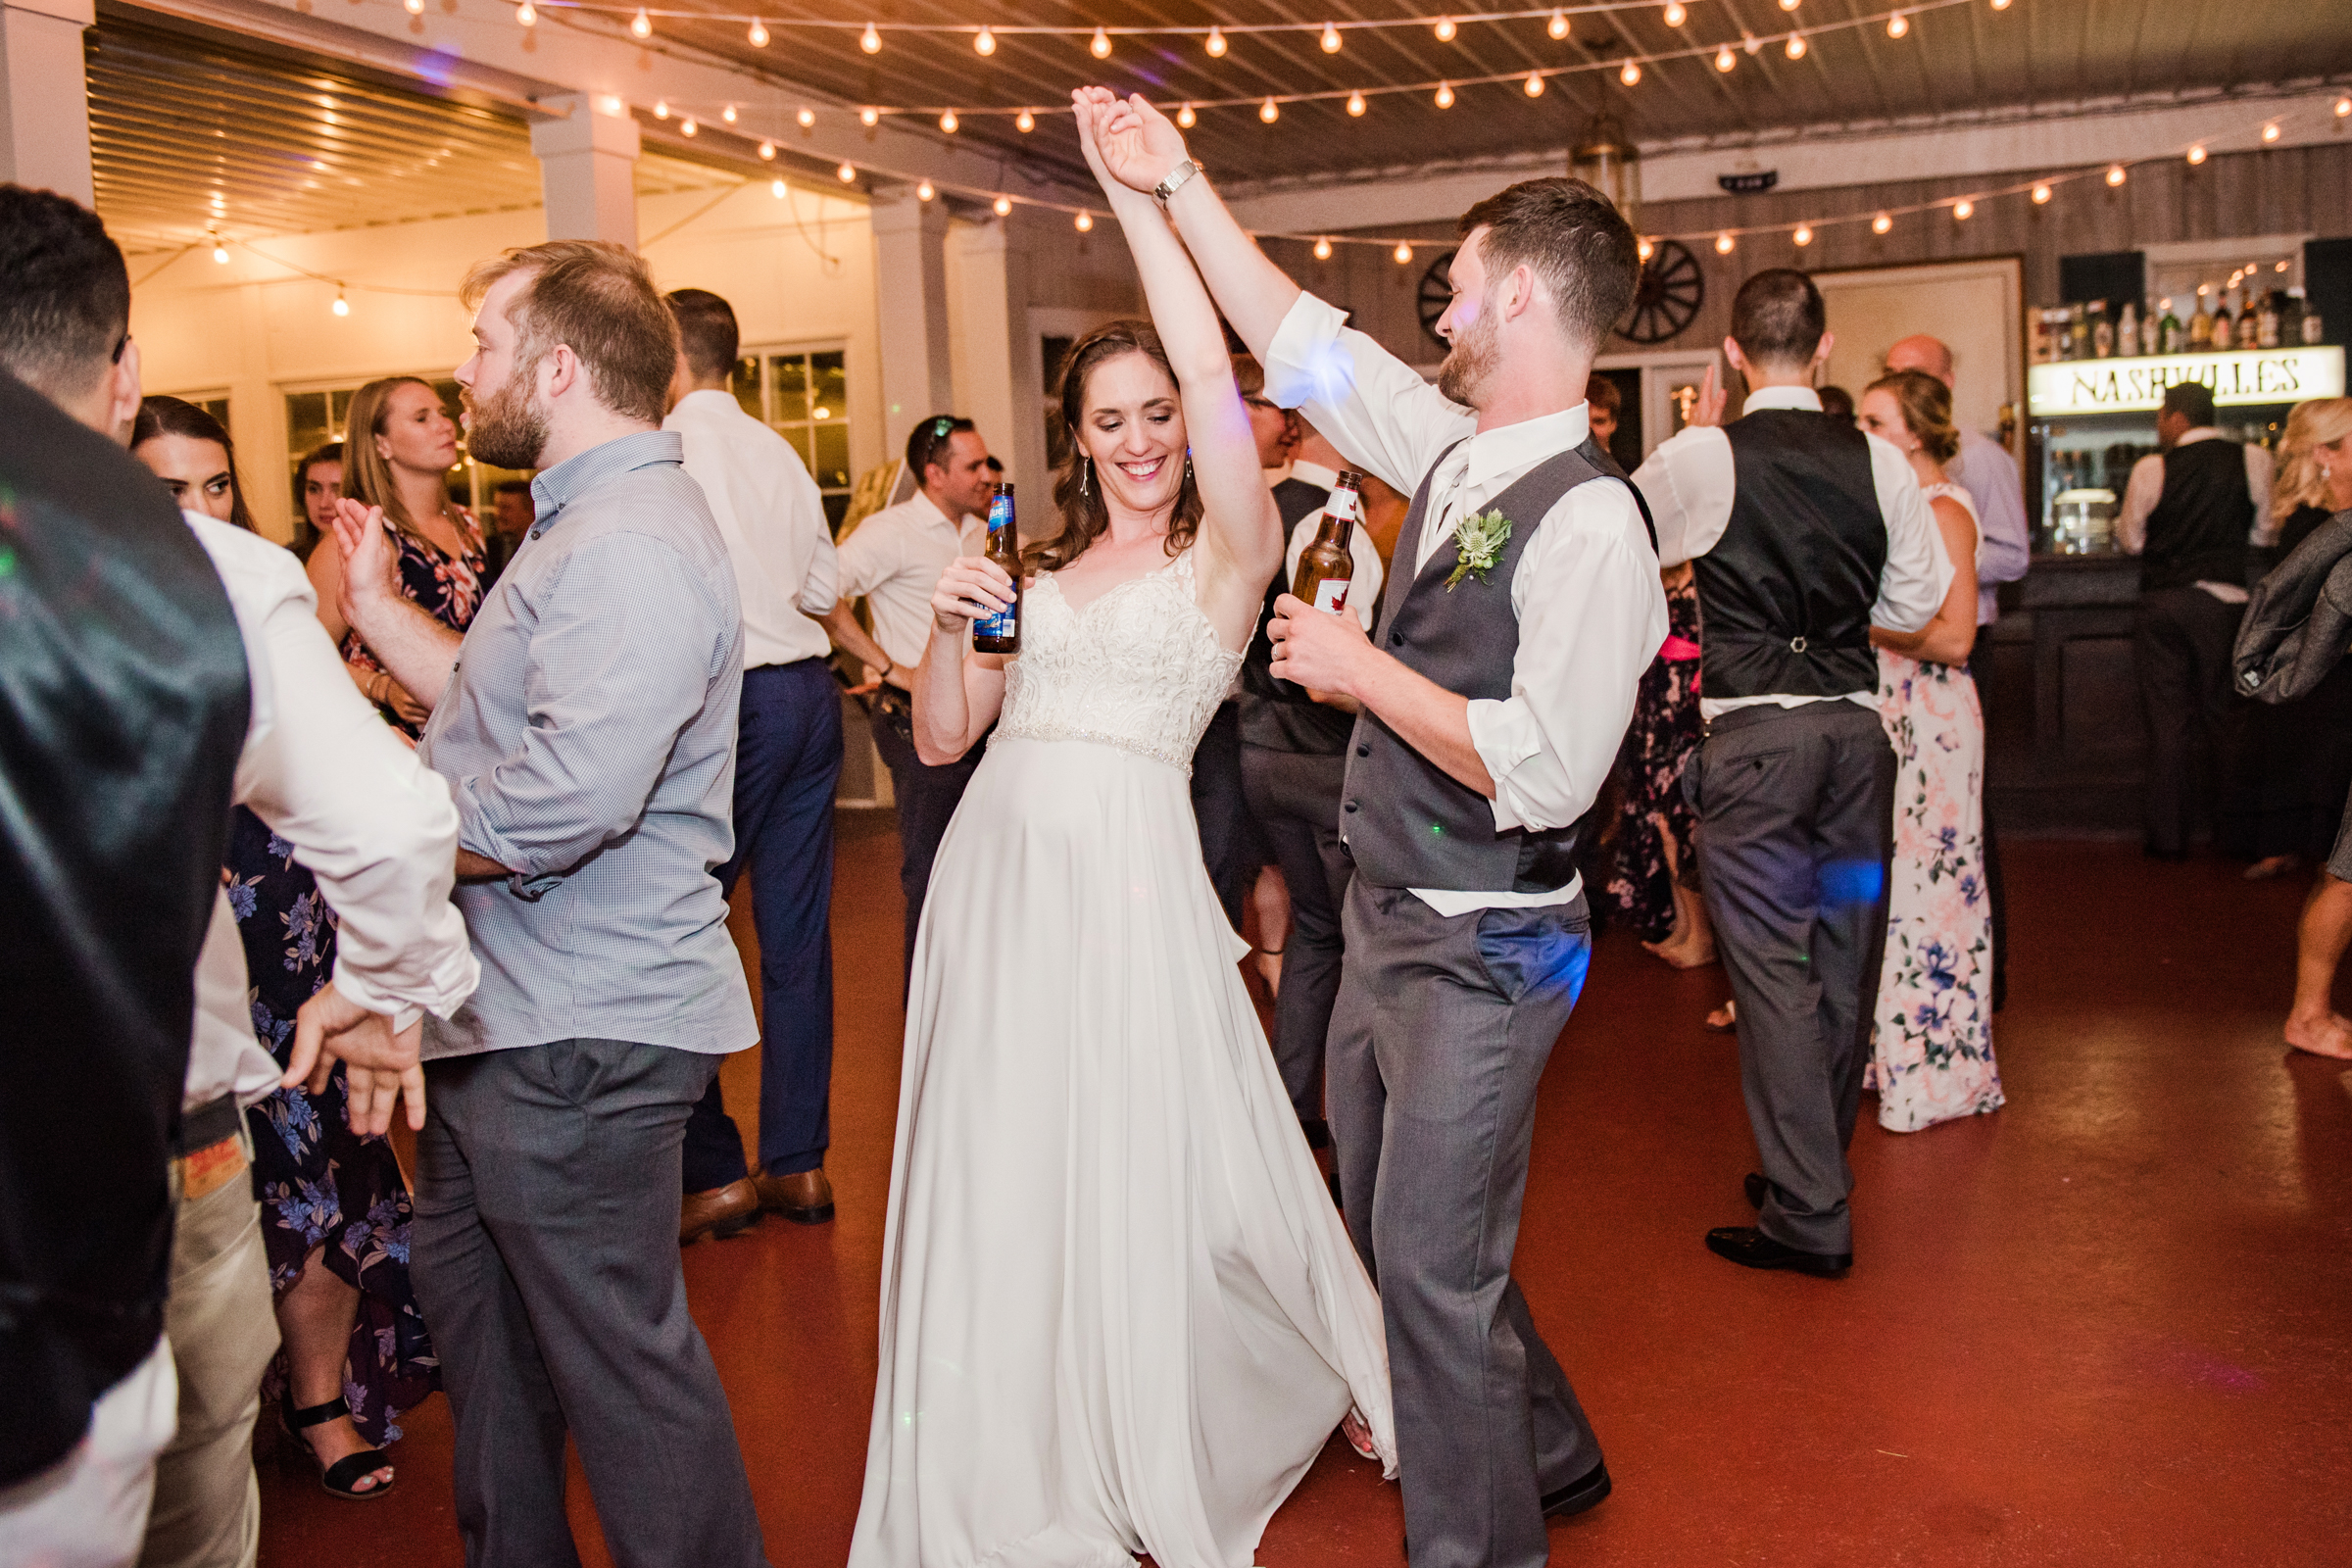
{"x": 1750, "y": 1247}
{"x": 1577, "y": 1494}
{"x": 1756, "y": 1187}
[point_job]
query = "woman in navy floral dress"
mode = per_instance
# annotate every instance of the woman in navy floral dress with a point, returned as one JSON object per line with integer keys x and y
{"x": 329, "y": 1197}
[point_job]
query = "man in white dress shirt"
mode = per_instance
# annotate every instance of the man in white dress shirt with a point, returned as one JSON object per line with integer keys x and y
{"x": 1804, "y": 533}
{"x": 893, "y": 560}
{"x": 787, "y": 768}
{"x": 1523, "y": 605}
{"x": 378, "y": 831}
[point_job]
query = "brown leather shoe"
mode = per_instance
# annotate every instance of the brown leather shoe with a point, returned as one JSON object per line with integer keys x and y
{"x": 723, "y": 1211}
{"x": 805, "y": 1197}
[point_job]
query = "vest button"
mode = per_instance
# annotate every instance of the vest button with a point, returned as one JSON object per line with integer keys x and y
{"x": 1396, "y": 639}
{"x": 1796, "y": 645}
{"x": 1364, "y": 751}
{"x": 1351, "y": 806}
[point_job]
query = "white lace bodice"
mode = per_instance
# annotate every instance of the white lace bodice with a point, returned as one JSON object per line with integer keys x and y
{"x": 1140, "y": 667}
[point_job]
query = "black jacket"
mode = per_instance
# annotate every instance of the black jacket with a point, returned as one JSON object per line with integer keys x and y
{"x": 123, "y": 707}
{"x": 2299, "y": 621}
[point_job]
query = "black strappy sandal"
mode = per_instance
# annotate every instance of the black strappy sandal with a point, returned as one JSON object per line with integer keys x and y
{"x": 340, "y": 1478}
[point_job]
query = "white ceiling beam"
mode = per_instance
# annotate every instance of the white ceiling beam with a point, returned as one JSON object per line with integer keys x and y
{"x": 476, "y": 47}
{"x": 1816, "y": 159}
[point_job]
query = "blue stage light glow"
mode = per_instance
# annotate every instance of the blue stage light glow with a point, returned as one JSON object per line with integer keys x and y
{"x": 1852, "y": 882}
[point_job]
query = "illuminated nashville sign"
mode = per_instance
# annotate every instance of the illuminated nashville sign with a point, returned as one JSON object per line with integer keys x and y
{"x": 2122, "y": 386}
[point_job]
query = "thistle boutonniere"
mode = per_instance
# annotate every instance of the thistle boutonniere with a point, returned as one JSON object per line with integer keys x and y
{"x": 1477, "y": 545}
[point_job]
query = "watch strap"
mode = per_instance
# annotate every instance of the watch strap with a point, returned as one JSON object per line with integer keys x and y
{"x": 1175, "y": 179}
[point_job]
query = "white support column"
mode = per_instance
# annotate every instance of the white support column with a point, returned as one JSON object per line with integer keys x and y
{"x": 1003, "y": 380}
{"x": 44, "y": 99}
{"x": 588, "y": 171}
{"x": 911, "y": 308}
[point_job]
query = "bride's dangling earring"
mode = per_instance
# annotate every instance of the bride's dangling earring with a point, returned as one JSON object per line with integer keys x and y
{"x": 1086, "y": 477}
{"x": 1188, "y": 465}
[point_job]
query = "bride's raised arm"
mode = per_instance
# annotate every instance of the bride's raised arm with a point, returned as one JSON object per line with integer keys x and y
{"x": 1241, "y": 529}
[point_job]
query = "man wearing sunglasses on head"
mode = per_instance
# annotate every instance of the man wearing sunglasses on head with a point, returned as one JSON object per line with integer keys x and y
{"x": 893, "y": 560}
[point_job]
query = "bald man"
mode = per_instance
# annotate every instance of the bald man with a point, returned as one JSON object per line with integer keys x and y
{"x": 1984, "y": 471}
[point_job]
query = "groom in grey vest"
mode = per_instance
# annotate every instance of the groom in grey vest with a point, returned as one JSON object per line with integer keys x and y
{"x": 1522, "y": 608}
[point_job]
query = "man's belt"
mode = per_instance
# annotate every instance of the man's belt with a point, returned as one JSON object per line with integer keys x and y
{"x": 208, "y": 1152}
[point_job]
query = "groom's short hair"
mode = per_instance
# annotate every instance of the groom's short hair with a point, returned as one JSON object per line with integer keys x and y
{"x": 1574, "y": 239}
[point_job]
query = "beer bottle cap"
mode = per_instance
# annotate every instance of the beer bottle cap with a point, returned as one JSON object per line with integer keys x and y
{"x": 1348, "y": 479}
{"x": 1004, "y": 487}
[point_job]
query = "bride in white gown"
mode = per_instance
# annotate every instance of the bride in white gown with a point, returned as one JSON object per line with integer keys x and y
{"x": 1119, "y": 1312}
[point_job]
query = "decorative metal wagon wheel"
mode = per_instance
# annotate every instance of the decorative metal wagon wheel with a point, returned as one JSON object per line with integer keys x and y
{"x": 1667, "y": 295}
{"x": 1437, "y": 292}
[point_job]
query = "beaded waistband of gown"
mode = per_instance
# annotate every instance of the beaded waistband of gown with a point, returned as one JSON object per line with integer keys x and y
{"x": 1014, "y": 730}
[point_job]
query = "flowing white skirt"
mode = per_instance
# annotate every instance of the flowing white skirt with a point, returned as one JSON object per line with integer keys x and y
{"x": 1119, "y": 1312}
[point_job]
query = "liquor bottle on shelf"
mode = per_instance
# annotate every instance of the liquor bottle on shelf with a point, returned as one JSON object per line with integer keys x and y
{"x": 2249, "y": 319}
{"x": 2200, "y": 327}
{"x": 2127, "y": 330}
{"x": 2077, "y": 333}
{"x": 2171, "y": 336}
{"x": 2309, "y": 327}
{"x": 2266, "y": 321}
{"x": 2102, "y": 330}
{"x": 1001, "y": 633}
{"x": 2225, "y": 326}
{"x": 2150, "y": 337}
{"x": 1326, "y": 568}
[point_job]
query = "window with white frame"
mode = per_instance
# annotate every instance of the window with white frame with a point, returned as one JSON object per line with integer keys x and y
{"x": 803, "y": 396}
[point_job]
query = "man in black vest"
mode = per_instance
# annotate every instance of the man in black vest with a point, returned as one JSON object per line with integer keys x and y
{"x": 1523, "y": 605}
{"x": 1803, "y": 533}
{"x": 2189, "y": 514}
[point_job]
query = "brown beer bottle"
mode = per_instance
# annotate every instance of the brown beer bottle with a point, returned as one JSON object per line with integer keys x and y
{"x": 1326, "y": 568}
{"x": 1001, "y": 633}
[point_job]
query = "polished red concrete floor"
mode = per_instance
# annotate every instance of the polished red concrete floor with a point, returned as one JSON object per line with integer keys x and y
{"x": 2111, "y": 1324}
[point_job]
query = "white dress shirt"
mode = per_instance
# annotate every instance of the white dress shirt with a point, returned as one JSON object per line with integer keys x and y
{"x": 772, "y": 517}
{"x": 1363, "y": 590}
{"x": 2005, "y": 539}
{"x": 2145, "y": 488}
{"x": 1592, "y": 613}
{"x": 366, "y": 817}
{"x": 1688, "y": 482}
{"x": 893, "y": 560}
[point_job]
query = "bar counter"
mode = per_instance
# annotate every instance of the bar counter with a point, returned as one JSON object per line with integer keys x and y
{"x": 2065, "y": 740}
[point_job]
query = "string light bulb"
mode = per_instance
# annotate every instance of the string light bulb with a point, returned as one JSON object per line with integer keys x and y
{"x": 984, "y": 40}
{"x": 2115, "y": 174}
{"x": 1790, "y": 5}
{"x": 1632, "y": 73}
{"x": 947, "y": 122}
{"x": 1003, "y": 206}
{"x": 219, "y": 252}
{"x": 2041, "y": 195}
{"x": 1444, "y": 30}
{"x": 1749, "y": 44}
{"x": 1963, "y": 211}
{"x": 1215, "y": 44}
{"x": 1897, "y": 24}
{"x": 807, "y": 118}
{"x": 688, "y": 126}
{"x": 1185, "y": 118}
{"x": 1404, "y": 253}
{"x": 2196, "y": 154}
{"x": 1674, "y": 14}
{"x": 1331, "y": 39}
{"x": 1269, "y": 111}
{"x": 1723, "y": 243}
{"x": 767, "y": 151}
{"x": 2343, "y": 107}
{"x": 1725, "y": 60}
{"x": 1803, "y": 236}
{"x": 1796, "y": 46}
{"x": 415, "y": 8}
{"x": 641, "y": 26}
{"x": 1445, "y": 95}
{"x": 1024, "y": 121}
{"x": 1083, "y": 222}
{"x": 661, "y": 109}
{"x": 775, "y": 188}
{"x": 1357, "y": 104}
{"x": 1535, "y": 84}
{"x": 758, "y": 36}
{"x": 1557, "y": 27}
{"x": 1880, "y": 224}
{"x": 727, "y": 114}
{"x": 2270, "y": 132}
{"x": 869, "y": 117}
{"x": 1322, "y": 250}
{"x": 925, "y": 191}
{"x": 1100, "y": 46}
{"x": 526, "y": 15}
{"x": 870, "y": 40}
{"x": 2000, "y": 5}
{"x": 342, "y": 305}
{"x": 1645, "y": 250}
{"x": 847, "y": 174}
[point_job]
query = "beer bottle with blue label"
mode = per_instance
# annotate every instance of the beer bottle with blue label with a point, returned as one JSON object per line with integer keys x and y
{"x": 1001, "y": 633}
{"x": 1326, "y": 568}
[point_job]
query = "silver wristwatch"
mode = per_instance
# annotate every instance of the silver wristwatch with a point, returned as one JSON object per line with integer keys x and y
{"x": 1175, "y": 179}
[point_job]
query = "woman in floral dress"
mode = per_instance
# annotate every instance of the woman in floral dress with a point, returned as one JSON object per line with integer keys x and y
{"x": 1654, "y": 877}
{"x": 351, "y": 1328}
{"x": 1931, "y": 1043}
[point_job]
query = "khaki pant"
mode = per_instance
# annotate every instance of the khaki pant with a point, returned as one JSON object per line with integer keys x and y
{"x": 223, "y": 1331}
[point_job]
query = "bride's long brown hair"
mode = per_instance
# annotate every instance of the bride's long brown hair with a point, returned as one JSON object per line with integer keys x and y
{"x": 1077, "y": 496}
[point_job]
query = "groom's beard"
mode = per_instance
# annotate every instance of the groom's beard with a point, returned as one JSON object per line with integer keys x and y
{"x": 1469, "y": 364}
{"x": 506, "y": 431}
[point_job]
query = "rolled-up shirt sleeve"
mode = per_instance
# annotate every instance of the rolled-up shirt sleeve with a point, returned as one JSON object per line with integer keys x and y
{"x": 362, "y": 814}
{"x": 1368, "y": 403}
{"x": 607, "y": 685}
{"x": 1591, "y": 616}
{"x": 1918, "y": 572}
